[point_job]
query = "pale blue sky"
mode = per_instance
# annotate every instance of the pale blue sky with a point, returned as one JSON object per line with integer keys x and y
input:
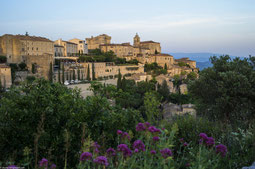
{"x": 218, "y": 26}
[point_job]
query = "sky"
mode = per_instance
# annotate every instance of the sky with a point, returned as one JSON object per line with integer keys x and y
{"x": 190, "y": 26}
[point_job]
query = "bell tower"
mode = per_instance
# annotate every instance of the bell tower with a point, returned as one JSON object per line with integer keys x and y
{"x": 136, "y": 40}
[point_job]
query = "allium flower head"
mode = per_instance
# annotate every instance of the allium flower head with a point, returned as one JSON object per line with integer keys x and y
{"x": 185, "y": 144}
{"x": 155, "y": 138}
{"x": 53, "y": 166}
{"x": 138, "y": 144}
{"x": 147, "y": 124}
{"x": 222, "y": 149}
{"x": 153, "y": 129}
{"x": 153, "y": 152}
{"x": 125, "y": 135}
{"x": 101, "y": 160}
{"x": 86, "y": 156}
{"x": 111, "y": 152}
{"x": 43, "y": 162}
{"x": 136, "y": 150}
{"x": 203, "y": 136}
{"x": 166, "y": 153}
{"x": 125, "y": 150}
{"x": 140, "y": 127}
{"x": 210, "y": 141}
{"x": 119, "y": 132}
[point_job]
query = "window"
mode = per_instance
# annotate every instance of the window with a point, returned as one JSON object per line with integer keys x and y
{"x": 32, "y": 48}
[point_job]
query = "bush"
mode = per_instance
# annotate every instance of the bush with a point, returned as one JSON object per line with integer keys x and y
{"x": 3, "y": 59}
{"x": 22, "y": 66}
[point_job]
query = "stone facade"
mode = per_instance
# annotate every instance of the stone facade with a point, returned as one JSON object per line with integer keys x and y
{"x": 59, "y": 50}
{"x": 191, "y": 63}
{"x": 70, "y": 48}
{"x": 17, "y": 47}
{"x": 121, "y": 50}
{"x": 170, "y": 110}
{"x": 82, "y": 46}
{"x": 5, "y": 76}
{"x": 95, "y": 42}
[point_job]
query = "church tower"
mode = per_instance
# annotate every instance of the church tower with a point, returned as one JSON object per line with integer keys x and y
{"x": 136, "y": 40}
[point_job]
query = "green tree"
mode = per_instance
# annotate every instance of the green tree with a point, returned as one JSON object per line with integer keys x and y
{"x": 22, "y": 66}
{"x": 119, "y": 80}
{"x": 192, "y": 76}
{"x": 88, "y": 74}
{"x": 164, "y": 90}
{"x": 165, "y": 66}
{"x": 226, "y": 91}
{"x": 93, "y": 72}
{"x": 34, "y": 68}
{"x": 51, "y": 73}
{"x": 123, "y": 83}
{"x": 151, "y": 104}
{"x": 73, "y": 74}
{"x": 63, "y": 73}
{"x": 79, "y": 73}
{"x": 3, "y": 59}
{"x": 14, "y": 68}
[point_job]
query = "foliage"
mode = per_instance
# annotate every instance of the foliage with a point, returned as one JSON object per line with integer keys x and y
{"x": 51, "y": 73}
{"x": 154, "y": 68}
{"x": 22, "y": 66}
{"x": 63, "y": 73}
{"x": 180, "y": 99}
{"x": 88, "y": 74}
{"x": 151, "y": 104}
{"x": 226, "y": 90}
{"x": 119, "y": 80}
{"x": 163, "y": 90}
{"x": 3, "y": 59}
{"x": 93, "y": 72}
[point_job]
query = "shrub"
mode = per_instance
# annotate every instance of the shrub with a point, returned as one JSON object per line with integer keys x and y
{"x": 3, "y": 59}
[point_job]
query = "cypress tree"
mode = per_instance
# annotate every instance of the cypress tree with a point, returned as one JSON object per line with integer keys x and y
{"x": 1, "y": 87}
{"x": 67, "y": 75}
{"x": 79, "y": 78}
{"x": 119, "y": 80}
{"x": 51, "y": 73}
{"x": 73, "y": 74}
{"x": 59, "y": 79}
{"x": 123, "y": 83}
{"x": 93, "y": 72}
{"x": 165, "y": 67}
{"x": 88, "y": 74}
{"x": 70, "y": 75}
{"x": 164, "y": 90}
{"x": 63, "y": 73}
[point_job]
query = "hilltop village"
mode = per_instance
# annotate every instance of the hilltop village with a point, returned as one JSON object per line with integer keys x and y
{"x": 25, "y": 56}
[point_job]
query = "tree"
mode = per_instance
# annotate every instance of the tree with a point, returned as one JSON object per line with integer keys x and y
{"x": 3, "y": 59}
{"x": 192, "y": 76}
{"x": 123, "y": 83}
{"x": 22, "y": 66}
{"x": 164, "y": 90}
{"x": 63, "y": 73}
{"x": 119, "y": 81}
{"x": 79, "y": 73}
{"x": 1, "y": 86}
{"x": 93, "y": 72}
{"x": 151, "y": 104}
{"x": 73, "y": 74}
{"x": 88, "y": 74}
{"x": 51, "y": 73}
{"x": 59, "y": 78}
{"x": 165, "y": 66}
{"x": 34, "y": 68}
{"x": 14, "y": 68}
{"x": 226, "y": 91}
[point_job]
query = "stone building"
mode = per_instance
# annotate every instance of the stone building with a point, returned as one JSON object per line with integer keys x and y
{"x": 59, "y": 50}
{"x": 191, "y": 63}
{"x": 70, "y": 48}
{"x": 121, "y": 50}
{"x": 95, "y": 42}
{"x": 170, "y": 110}
{"x": 17, "y": 47}
{"x": 82, "y": 46}
{"x": 5, "y": 76}
{"x": 154, "y": 47}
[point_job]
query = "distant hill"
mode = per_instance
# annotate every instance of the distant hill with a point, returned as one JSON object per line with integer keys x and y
{"x": 202, "y": 59}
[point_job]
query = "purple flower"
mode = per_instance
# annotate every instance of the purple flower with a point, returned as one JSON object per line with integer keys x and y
{"x": 140, "y": 127}
{"x": 182, "y": 140}
{"x": 125, "y": 135}
{"x": 136, "y": 150}
{"x": 203, "y": 136}
{"x": 153, "y": 152}
{"x": 12, "y": 167}
{"x": 43, "y": 162}
{"x": 147, "y": 124}
{"x": 166, "y": 153}
{"x": 125, "y": 150}
{"x": 111, "y": 152}
{"x": 53, "y": 166}
{"x": 155, "y": 138}
{"x": 138, "y": 144}
{"x": 119, "y": 132}
{"x": 222, "y": 149}
{"x": 209, "y": 141}
{"x": 101, "y": 160}
{"x": 153, "y": 129}
{"x": 86, "y": 156}
{"x": 185, "y": 144}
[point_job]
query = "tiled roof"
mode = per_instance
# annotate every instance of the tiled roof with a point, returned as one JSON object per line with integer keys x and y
{"x": 149, "y": 42}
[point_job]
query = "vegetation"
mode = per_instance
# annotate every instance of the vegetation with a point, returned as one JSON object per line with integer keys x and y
{"x": 154, "y": 69}
{"x": 3, "y": 59}
{"x": 22, "y": 66}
